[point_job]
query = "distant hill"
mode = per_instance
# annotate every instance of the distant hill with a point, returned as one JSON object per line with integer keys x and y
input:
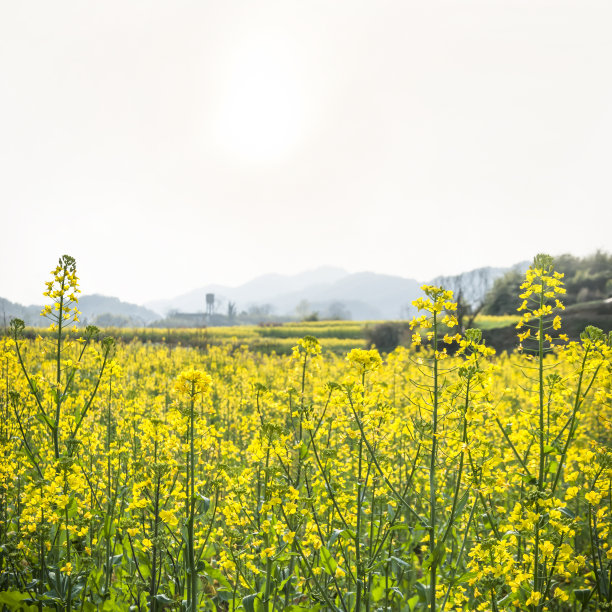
{"x": 261, "y": 290}
{"x": 11, "y": 310}
{"x": 101, "y": 310}
{"x": 95, "y": 309}
{"x": 331, "y": 292}
{"x": 363, "y": 295}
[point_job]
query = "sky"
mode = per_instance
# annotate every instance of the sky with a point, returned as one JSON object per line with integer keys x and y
{"x": 169, "y": 145}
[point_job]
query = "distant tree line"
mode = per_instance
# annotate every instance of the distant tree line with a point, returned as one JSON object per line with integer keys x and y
{"x": 586, "y": 279}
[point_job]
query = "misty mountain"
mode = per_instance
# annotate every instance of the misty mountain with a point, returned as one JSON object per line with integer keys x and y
{"x": 102, "y": 310}
{"x": 95, "y": 309}
{"x": 261, "y": 290}
{"x": 365, "y": 295}
{"x": 30, "y": 315}
{"x": 328, "y": 291}
{"x": 362, "y": 295}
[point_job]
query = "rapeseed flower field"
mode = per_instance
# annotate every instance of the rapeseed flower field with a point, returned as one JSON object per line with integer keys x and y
{"x": 141, "y": 476}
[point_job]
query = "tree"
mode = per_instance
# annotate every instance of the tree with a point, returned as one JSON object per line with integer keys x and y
{"x": 231, "y": 310}
{"x": 305, "y": 312}
{"x": 585, "y": 278}
{"x": 337, "y": 311}
{"x": 502, "y": 299}
{"x": 470, "y": 290}
{"x": 261, "y": 310}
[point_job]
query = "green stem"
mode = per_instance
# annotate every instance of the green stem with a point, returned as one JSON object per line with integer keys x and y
{"x": 577, "y": 404}
{"x": 432, "y": 474}
{"x": 193, "y": 578}
{"x": 542, "y": 457}
{"x": 58, "y": 397}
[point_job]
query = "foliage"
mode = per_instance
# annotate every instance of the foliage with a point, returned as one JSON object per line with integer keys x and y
{"x": 586, "y": 278}
{"x": 387, "y": 336}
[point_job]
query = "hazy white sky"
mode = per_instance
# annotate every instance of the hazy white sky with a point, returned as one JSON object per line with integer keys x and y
{"x": 167, "y": 145}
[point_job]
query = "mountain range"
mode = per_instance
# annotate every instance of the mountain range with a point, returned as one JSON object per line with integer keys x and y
{"x": 325, "y": 290}
{"x": 98, "y": 309}
{"x": 361, "y": 295}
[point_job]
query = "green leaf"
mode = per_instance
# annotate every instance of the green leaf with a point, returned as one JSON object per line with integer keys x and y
{"x": 115, "y": 560}
{"x": 109, "y": 527}
{"x": 568, "y": 513}
{"x": 346, "y": 534}
{"x": 401, "y": 563}
{"x": 438, "y": 553}
{"x": 527, "y": 479}
{"x": 552, "y": 467}
{"x": 583, "y": 595}
{"x": 303, "y": 450}
{"x": 395, "y": 591}
{"x": 163, "y": 600}
{"x": 216, "y": 574}
{"x": 205, "y": 503}
{"x": 329, "y": 563}
{"x": 248, "y": 602}
{"x": 399, "y": 527}
{"x": 423, "y": 591}
{"x": 12, "y": 598}
{"x": 377, "y": 592}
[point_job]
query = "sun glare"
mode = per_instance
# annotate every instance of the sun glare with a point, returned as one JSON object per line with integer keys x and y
{"x": 260, "y": 118}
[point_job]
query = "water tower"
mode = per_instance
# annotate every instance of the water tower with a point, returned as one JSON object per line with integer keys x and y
{"x": 210, "y": 304}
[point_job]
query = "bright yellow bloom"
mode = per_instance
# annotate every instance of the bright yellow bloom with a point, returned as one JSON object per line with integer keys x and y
{"x": 67, "y": 568}
{"x": 365, "y": 360}
{"x": 192, "y": 383}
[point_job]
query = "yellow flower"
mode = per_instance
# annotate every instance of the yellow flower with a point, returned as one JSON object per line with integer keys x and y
{"x": 67, "y": 568}
{"x": 266, "y": 553}
{"x": 308, "y": 345}
{"x": 534, "y": 598}
{"x": 192, "y": 382}
{"x": 547, "y": 548}
{"x": 364, "y": 360}
{"x": 593, "y": 497}
{"x": 450, "y": 321}
{"x": 168, "y": 517}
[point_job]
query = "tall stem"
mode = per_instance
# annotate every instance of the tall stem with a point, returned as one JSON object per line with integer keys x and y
{"x": 58, "y": 397}
{"x": 432, "y": 473}
{"x": 536, "y": 563}
{"x": 193, "y": 591}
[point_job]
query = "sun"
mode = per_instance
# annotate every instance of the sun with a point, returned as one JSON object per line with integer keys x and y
{"x": 260, "y": 108}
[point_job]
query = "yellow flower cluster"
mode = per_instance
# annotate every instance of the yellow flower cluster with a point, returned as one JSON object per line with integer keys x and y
{"x": 63, "y": 290}
{"x": 192, "y": 383}
{"x": 310, "y": 488}
{"x": 364, "y": 361}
